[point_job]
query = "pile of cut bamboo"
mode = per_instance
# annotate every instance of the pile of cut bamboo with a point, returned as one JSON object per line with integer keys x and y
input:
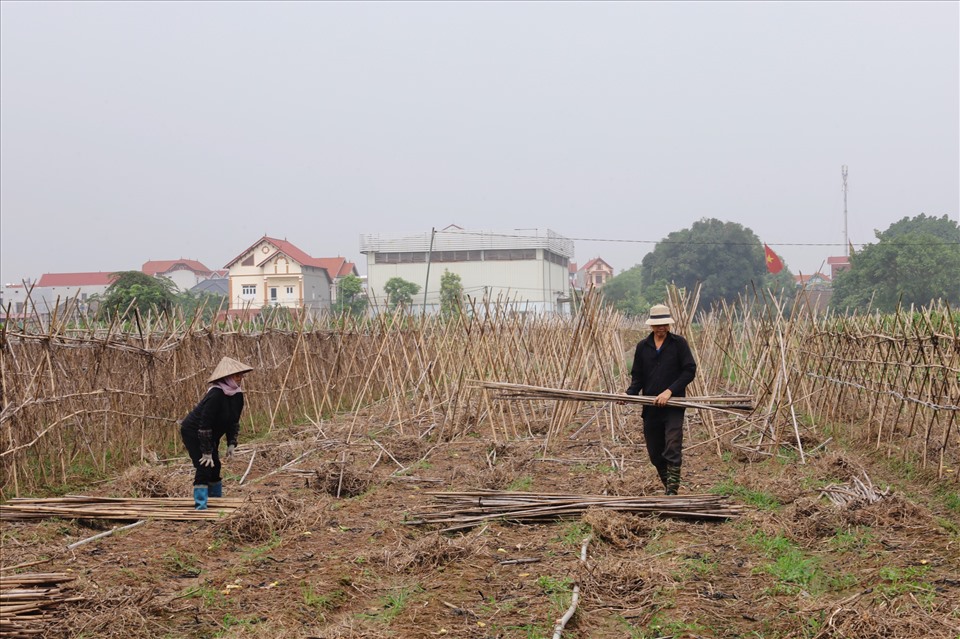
{"x": 80, "y": 506}
{"x": 724, "y": 403}
{"x": 856, "y": 491}
{"x": 468, "y": 509}
{"x": 25, "y": 600}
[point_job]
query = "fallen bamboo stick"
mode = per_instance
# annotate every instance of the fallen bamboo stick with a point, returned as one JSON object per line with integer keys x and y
{"x": 575, "y": 599}
{"x": 106, "y": 534}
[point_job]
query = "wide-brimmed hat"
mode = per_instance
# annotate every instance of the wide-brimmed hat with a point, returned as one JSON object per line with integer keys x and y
{"x": 227, "y": 367}
{"x": 659, "y": 314}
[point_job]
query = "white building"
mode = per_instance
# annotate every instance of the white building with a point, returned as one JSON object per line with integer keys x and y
{"x": 185, "y": 274}
{"x": 527, "y": 268}
{"x": 53, "y": 289}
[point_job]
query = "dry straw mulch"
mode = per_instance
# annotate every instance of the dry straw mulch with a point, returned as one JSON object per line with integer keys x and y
{"x": 145, "y": 480}
{"x": 432, "y": 551}
{"x": 340, "y": 479}
{"x": 257, "y": 521}
{"x": 620, "y": 530}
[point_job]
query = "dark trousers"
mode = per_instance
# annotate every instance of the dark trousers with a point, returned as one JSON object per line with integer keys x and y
{"x": 204, "y": 475}
{"x": 663, "y": 432}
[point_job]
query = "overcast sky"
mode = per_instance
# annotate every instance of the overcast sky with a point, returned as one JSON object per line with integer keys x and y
{"x": 137, "y": 131}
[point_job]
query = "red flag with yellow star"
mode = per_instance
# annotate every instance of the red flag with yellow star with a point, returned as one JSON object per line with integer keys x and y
{"x": 774, "y": 263}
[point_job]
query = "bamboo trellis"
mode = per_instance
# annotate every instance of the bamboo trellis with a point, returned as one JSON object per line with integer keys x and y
{"x": 84, "y": 400}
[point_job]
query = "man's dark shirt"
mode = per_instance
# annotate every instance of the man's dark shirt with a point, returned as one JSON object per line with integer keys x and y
{"x": 655, "y": 371}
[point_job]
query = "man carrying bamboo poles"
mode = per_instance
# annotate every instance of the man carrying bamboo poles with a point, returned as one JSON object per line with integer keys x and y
{"x": 663, "y": 366}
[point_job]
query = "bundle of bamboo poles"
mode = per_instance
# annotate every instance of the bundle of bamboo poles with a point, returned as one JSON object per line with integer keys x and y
{"x": 25, "y": 600}
{"x": 80, "y": 506}
{"x": 724, "y": 403}
{"x": 468, "y": 509}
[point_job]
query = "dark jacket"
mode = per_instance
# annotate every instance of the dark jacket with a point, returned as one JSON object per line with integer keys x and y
{"x": 673, "y": 367}
{"x": 216, "y": 415}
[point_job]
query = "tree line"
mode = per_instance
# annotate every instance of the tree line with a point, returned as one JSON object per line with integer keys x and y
{"x": 916, "y": 260}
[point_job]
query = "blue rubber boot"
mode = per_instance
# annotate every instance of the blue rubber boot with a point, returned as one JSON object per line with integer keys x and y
{"x": 200, "y": 495}
{"x": 216, "y": 489}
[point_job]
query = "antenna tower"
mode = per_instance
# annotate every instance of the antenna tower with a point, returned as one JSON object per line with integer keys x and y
{"x": 846, "y": 238}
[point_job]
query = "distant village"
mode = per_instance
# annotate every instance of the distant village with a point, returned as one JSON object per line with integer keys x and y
{"x": 530, "y": 269}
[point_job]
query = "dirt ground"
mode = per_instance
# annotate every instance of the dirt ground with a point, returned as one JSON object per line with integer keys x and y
{"x": 299, "y": 561}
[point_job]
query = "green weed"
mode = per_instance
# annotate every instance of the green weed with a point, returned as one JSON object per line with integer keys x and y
{"x": 856, "y": 540}
{"x": 560, "y": 591}
{"x": 789, "y": 565}
{"x": 260, "y": 552}
{"x": 903, "y": 580}
{"x": 181, "y": 564}
{"x": 322, "y": 602}
{"x": 230, "y": 621}
{"x": 211, "y": 596}
{"x": 521, "y": 484}
{"x": 392, "y": 604}
{"x": 659, "y": 627}
{"x": 574, "y": 533}
{"x": 761, "y": 500}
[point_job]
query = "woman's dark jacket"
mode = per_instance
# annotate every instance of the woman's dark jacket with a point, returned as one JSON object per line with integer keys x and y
{"x": 216, "y": 415}
{"x": 673, "y": 367}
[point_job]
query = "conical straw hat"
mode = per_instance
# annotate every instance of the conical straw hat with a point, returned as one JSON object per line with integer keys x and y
{"x": 228, "y": 366}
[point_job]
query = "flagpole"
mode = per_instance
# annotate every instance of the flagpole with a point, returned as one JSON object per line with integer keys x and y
{"x": 846, "y": 237}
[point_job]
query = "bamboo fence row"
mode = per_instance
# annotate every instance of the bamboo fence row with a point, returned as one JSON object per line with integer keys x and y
{"x": 80, "y": 401}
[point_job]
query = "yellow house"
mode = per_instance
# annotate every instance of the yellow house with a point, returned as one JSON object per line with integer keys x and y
{"x": 274, "y": 272}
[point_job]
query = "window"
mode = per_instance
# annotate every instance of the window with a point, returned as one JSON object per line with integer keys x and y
{"x": 553, "y": 258}
{"x": 400, "y": 258}
{"x": 510, "y": 254}
{"x": 289, "y": 290}
{"x": 249, "y": 289}
{"x": 598, "y": 278}
{"x": 457, "y": 256}
{"x": 273, "y": 293}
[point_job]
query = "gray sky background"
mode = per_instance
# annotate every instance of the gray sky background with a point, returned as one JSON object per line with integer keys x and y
{"x": 134, "y": 131}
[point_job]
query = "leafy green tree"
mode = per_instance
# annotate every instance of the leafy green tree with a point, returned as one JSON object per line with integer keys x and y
{"x": 137, "y": 290}
{"x": 914, "y": 261}
{"x": 205, "y": 302}
{"x": 451, "y": 293}
{"x": 625, "y": 292}
{"x": 400, "y": 292}
{"x": 724, "y": 257}
{"x": 351, "y": 298}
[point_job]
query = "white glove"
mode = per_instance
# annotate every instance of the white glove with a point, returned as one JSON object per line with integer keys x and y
{"x": 230, "y": 449}
{"x": 207, "y": 460}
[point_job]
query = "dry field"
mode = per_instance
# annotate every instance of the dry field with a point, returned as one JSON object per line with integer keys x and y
{"x": 297, "y": 561}
{"x": 841, "y": 485}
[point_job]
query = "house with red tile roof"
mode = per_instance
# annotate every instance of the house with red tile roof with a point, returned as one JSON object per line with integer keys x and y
{"x": 837, "y": 264}
{"x": 185, "y": 274}
{"x": 274, "y": 272}
{"x": 817, "y": 281}
{"x": 594, "y": 273}
{"x": 53, "y": 289}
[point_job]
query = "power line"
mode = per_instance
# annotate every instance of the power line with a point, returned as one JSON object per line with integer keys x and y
{"x": 699, "y": 243}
